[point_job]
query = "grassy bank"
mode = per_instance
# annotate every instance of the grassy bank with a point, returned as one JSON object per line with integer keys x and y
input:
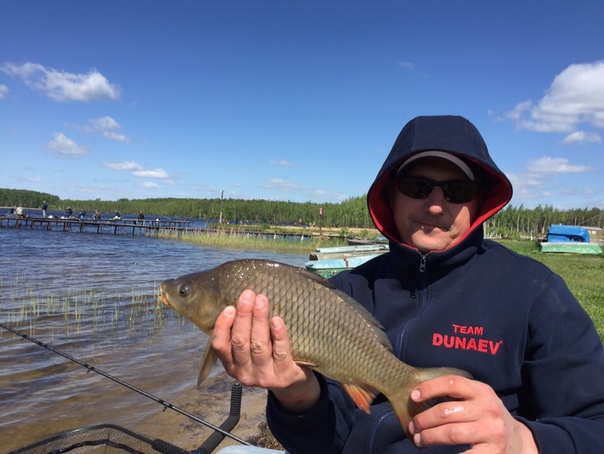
{"x": 302, "y": 240}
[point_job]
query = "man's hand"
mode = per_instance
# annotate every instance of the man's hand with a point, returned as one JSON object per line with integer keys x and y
{"x": 477, "y": 418}
{"x": 256, "y": 351}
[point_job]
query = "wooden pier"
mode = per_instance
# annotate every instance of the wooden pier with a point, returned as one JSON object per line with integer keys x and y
{"x": 155, "y": 227}
{"x": 123, "y": 226}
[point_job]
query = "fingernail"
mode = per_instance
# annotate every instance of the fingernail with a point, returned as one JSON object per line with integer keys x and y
{"x": 411, "y": 428}
{"x": 417, "y": 439}
{"x": 228, "y": 311}
{"x": 247, "y": 296}
{"x": 276, "y": 323}
{"x": 415, "y": 395}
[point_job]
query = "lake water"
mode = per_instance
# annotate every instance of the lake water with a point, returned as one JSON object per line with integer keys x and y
{"x": 94, "y": 297}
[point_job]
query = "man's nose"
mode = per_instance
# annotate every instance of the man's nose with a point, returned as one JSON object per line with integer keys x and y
{"x": 435, "y": 201}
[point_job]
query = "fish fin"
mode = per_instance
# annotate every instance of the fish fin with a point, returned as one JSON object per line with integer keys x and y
{"x": 207, "y": 363}
{"x": 301, "y": 362}
{"x": 315, "y": 277}
{"x": 362, "y": 396}
{"x": 405, "y": 408}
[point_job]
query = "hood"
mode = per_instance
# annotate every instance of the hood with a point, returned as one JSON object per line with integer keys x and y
{"x": 455, "y": 135}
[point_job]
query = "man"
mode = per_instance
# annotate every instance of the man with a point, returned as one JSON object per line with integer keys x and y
{"x": 446, "y": 297}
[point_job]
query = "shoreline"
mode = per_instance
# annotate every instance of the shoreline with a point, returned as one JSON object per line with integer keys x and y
{"x": 238, "y": 237}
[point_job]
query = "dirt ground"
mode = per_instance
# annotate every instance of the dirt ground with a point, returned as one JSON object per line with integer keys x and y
{"x": 212, "y": 405}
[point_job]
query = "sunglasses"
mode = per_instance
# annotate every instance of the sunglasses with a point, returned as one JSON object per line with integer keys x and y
{"x": 462, "y": 191}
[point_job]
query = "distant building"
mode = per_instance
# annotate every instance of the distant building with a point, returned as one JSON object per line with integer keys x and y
{"x": 596, "y": 234}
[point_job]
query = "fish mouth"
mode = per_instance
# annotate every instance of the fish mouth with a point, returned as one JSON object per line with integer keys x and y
{"x": 162, "y": 295}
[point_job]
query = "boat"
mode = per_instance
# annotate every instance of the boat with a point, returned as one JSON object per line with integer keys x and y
{"x": 330, "y": 267}
{"x": 330, "y": 261}
{"x": 348, "y": 251}
{"x": 569, "y": 239}
{"x": 356, "y": 241}
{"x": 572, "y": 247}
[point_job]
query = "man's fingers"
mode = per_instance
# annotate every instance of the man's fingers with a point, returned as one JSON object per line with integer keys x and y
{"x": 451, "y": 385}
{"x": 242, "y": 325}
{"x": 281, "y": 346}
{"x": 260, "y": 336}
{"x": 221, "y": 336}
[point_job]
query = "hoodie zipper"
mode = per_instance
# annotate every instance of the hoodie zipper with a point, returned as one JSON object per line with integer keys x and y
{"x": 422, "y": 262}
{"x": 418, "y": 293}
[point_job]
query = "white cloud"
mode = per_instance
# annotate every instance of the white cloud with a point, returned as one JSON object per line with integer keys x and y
{"x": 283, "y": 163}
{"x": 157, "y": 173}
{"x": 151, "y": 185}
{"x": 279, "y": 184}
{"x": 116, "y": 136}
{"x": 321, "y": 194}
{"x": 406, "y": 64}
{"x": 102, "y": 124}
{"x": 106, "y": 126}
{"x": 136, "y": 169}
{"x": 3, "y": 91}
{"x": 575, "y": 97}
{"x": 550, "y": 166}
{"x": 61, "y": 85}
{"x": 582, "y": 137}
{"x": 284, "y": 186}
{"x": 64, "y": 146}
{"x": 122, "y": 165}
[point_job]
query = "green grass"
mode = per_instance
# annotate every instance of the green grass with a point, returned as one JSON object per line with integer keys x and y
{"x": 85, "y": 310}
{"x": 274, "y": 242}
{"x": 584, "y": 275}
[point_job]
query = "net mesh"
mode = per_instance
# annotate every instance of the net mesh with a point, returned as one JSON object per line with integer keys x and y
{"x": 102, "y": 439}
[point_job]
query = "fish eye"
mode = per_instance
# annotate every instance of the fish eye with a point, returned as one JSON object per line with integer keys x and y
{"x": 183, "y": 291}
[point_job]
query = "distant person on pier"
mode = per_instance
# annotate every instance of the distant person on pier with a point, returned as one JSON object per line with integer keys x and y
{"x": 82, "y": 214}
{"x": 19, "y": 212}
{"x": 141, "y": 217}
{"x": 117, "y": 216}
{"x": 97, "y": 215}
{"x": 44, "y": 208}
{"x": 69, "y": 212}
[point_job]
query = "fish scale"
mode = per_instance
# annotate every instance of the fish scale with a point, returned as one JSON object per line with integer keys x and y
{"x": 328, "y": 330}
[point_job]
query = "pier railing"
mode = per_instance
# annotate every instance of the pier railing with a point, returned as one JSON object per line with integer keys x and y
{"x": 122, "y": 226}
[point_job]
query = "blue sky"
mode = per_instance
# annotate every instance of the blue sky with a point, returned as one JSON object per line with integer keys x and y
{"x": 295, "y": 101}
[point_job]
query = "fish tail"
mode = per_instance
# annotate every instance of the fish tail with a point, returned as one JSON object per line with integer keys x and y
{"x": 402, "y": 404}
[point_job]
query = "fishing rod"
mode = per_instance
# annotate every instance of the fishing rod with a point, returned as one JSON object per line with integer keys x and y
{"x": 125, "y": 384}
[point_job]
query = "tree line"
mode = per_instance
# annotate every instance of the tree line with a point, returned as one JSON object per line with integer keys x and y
{"x": 352, "y": 212}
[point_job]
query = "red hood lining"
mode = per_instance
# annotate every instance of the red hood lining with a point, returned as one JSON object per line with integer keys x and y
{"x": 498, "y": 195}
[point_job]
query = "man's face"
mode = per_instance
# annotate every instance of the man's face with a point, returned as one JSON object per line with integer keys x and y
{"x": 432, "y": 224}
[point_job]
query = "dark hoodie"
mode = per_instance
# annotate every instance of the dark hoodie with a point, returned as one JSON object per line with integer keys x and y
{"x": 477, "y": 306}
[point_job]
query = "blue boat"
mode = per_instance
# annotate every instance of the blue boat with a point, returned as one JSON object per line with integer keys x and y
{"x": 569, "y": 239}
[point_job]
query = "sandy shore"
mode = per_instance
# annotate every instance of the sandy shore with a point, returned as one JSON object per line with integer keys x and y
{"x": 212, "y": 404}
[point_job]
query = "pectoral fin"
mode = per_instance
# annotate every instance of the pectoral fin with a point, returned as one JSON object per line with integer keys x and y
{"x": 302, "y": 362}
{"x": 209, "y": 359}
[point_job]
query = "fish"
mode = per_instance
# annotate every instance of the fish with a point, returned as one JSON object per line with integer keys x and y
{"x": 328, "y": 330}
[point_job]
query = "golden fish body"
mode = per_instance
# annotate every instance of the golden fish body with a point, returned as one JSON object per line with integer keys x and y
{"x": 328, "y": 330}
